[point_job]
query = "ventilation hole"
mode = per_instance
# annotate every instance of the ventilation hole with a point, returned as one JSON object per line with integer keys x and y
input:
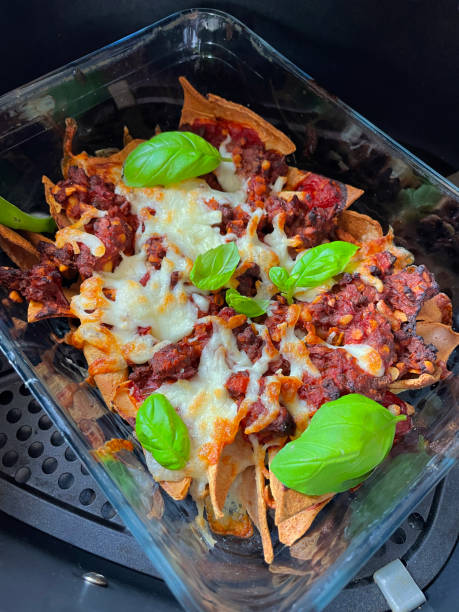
{"x": 10, "y": 458}
{"x": 399, "y": 536}
{"x": 24, "y": 433}
{"x": 87, "y": 496}
{"x": 35, "y": 449}
{"x": 23, "y": 390}
{"x": 22, "y": 475}
{"x": 49, "y": 465}
{"x": 34, "y": 407}
{"x": 3, "y": 439}
{"x": 107, "y": 511}
{"x": 66, "y": 480}
{"x": 6, "y": 397}
{"x": 13, "y": 415}
{"x": 415, "y": 521}
{"x": 84, "y": 471}
{"x": 44, "y": 422}
{"x": 57, "y": 439}
{"x": 69, "y": 454}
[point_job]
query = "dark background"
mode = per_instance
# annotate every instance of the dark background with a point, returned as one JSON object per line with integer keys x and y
{"x": 395, "y": 61}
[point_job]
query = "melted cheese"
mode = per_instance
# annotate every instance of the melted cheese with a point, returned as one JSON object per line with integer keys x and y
{"x": 226, "y": 171}
{"x": 368, "y": 358}
{"x": 73, "y": 236}
{"x": 295, "y": 351}
{"x": 280, "y": 243}
{"x": 168, "y": 312}
{"x": 180, "y": 214}
{"x": 204, "y": 404}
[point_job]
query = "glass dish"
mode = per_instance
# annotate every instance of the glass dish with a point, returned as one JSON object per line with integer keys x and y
{"x": 134, "y": 82}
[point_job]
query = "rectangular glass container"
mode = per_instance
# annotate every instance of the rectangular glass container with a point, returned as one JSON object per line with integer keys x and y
{"x": 134, "y": 82}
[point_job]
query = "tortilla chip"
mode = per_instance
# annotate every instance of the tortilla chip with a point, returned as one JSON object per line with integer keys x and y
{"x": 109, "y": 168}
{"x": 295, "y": 176}
{"x": 236, "y": 524}
{"x": 35, "y": 238}
{"x": 196, "y": 106}
{"x": 127, "y": 138}
{"x": 55, "y": 209}
{"x": 251, "y": 494}
{"x": 107, "y": 383}
{"x": 233, "y": 460}
{"x": 37, "y": 311}
{"x": 441, "y": 336}
{"x": 18, "y": 249}
{"x": 290, "y": 503}
{"x": 177, "y": 490}
{"x": 437, "y": 310}
{"x": 70, "y": 131}
{"x": 357, "y": 228}
{"x": 296, "y": 526}
{"x": 157, "y": 505}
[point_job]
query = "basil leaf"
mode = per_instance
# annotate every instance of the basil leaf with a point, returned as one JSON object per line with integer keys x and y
{"x": 215, "y": 267}
{"x": 162, "y": 432}
{"x": 322, "y": 262}
{"x": 345, "y": 440}
{"x": 279, "y": 276}
{"x": 246, "y": 305}
{"x": 168, "y": 158}
{"x": 15, "y": 218}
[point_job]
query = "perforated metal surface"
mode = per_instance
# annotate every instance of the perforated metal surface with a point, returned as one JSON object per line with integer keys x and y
{"x": 33, "y": 454}
{"x": 43, "y": 484}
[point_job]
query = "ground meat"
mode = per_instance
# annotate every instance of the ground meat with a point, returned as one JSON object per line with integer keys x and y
{"x": 249, "y": 154}
{"x": 237, "y": 384}
{"x": 59, "y": 258}
{"x": 308, "y": 217}
{"x": 234, "y": 220}
{"x": 338, "y": 307}
{"x": 282, "y": 425}
{"x": 156, "y": 251}
{"x": 340, "y": 375}
{"x": 383, "y": 263}
{"x": 247, "y": 281}
{"x": 176, "y": 361}
{"x": 248, "y": 341}
{"x": 78, "y": 189}
{"x": 402, "y": 427}
{"x": 278, "y": 315}
{"x": 118, "y": 237}
{"x": 217, "y": 305}
{"x": 281, "y": 364}
{"x": 409, "y": 289}
{"x": 413, "y": 355}
{"x": 42, "y": 283}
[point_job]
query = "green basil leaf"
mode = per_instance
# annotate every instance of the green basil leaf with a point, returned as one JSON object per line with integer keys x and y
{"x": 215, "y": 267}
{"x": 15, "y": 218}
{"x": 345, "y": 440}
{"x": 168, "y": 158}
{"x": 322, "y": 262}
{"x": 246, "y": 305}
{"x": 279, "y": 277}
{"x": 162, "y": 432}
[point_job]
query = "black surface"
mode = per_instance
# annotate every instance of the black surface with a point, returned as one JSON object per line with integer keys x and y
{"x": 396, "y": 63}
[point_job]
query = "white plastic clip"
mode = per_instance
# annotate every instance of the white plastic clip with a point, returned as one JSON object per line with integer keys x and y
{"x": 398, "y": 587}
